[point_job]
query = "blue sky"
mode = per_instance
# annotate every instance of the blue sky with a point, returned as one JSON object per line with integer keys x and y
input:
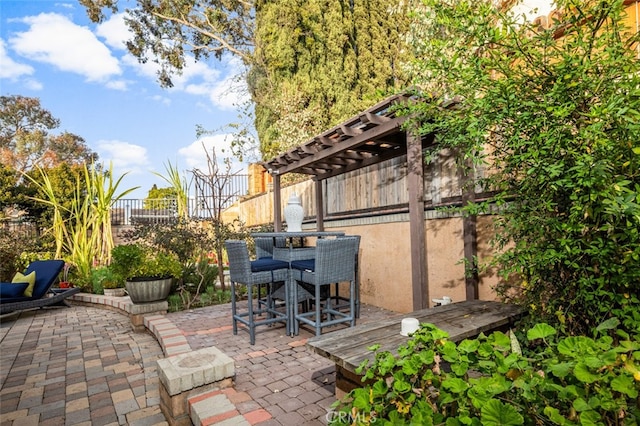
{"x": 83, "y": 75}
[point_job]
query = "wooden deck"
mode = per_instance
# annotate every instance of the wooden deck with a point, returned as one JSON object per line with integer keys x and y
{"x": 348, "y": 347}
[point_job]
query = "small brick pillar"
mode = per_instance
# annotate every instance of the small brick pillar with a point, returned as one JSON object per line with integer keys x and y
{"x": 185, "y": 375}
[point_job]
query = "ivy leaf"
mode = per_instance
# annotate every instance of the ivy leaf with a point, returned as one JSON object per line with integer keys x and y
{"x": 360, "y": 399}
{"x": 455, "y": 385}
{"x": 495, "y": 413}
{"x": 540, "y": 331}
{"x": 590, "y": 418}
{"x": 561, "y": 370}
{"x": 468, "y": 346}
{"x": 576, "y": 346}
{"x": 554, "y": 415}
{"x": 401, "y": 386}
{"x": 581, "y": 405}
{"x": 583, "y": 374}
{"x": 460, "y": 368}
{"x": 625, "y": 385}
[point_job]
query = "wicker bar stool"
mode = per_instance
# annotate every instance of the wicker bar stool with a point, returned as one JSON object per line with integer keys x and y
{"x": 254, "y": 274}
{"x": 265, "y": 245}
{"x": 334, "y": 263}
{"x": 341, "y": 301}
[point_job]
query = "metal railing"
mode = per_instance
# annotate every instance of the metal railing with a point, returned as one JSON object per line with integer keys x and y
{"x": 135, "y": 211}
{"x": 131, "y": 211}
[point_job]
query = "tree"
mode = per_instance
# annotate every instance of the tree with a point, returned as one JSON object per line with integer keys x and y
{"x": 309, "y": 64}
{"x": 25, "y": 141}
{"x": 318, "y": 62}
{"x": 26, "y": 145}
{"x": 202, "y": 28}
{"x": 160, "y": 198}
{"x": 553, "y": 113}
{"x": 216, "y": 197}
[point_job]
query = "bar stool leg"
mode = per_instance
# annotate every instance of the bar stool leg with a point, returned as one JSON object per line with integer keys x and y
{"x": 233, "y": 308}
{"x": 318, "y": 312}
{"x": 294, "y": 307}
{"x": 352, "y": 302}
{"x": 252, "y": 329}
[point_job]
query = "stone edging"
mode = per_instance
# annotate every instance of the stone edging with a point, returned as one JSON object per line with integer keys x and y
{"x": 148, "y": 316}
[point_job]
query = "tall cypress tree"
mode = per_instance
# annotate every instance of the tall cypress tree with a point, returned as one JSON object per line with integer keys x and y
{"x": 318, "y": 62}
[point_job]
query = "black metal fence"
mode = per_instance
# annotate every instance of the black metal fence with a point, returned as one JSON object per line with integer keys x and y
{"x": 202, "y": 205}
{"x": 131, "y": 211}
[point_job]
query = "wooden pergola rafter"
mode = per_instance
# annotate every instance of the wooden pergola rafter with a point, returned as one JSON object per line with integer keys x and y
{"x": 371, "y": 137}
{"x": 365, "y": 139}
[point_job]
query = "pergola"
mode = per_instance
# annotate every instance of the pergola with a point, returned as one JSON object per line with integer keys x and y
{"x": 368, "y": 138}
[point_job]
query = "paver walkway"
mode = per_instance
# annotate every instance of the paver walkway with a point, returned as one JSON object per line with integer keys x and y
{"x": 77, "y": 366}
{"x": 85, "y": 366}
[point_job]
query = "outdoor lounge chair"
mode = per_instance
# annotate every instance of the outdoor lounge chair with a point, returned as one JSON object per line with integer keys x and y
{"x": 47, "y": 272}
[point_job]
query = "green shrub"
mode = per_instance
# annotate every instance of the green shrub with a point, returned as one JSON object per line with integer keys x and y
{"x": 104, "y": 277}
{"x": 17, "y": 249}
{"x": 132, "y": 261}
{"x": 488, "y": 381}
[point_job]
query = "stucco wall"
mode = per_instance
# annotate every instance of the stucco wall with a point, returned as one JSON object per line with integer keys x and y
{"x": 385, "y": 262}
{"x": 445, "y": 248}
{"x": 385, "y": 265}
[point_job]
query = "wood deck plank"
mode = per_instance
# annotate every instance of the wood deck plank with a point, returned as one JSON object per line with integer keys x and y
{"x": 348, "y": 347}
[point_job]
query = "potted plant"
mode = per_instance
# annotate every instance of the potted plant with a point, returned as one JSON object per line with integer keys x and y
{"x": 106, "y": 281}
{"x": 64, "y": 283}
{"x": 148, "y": 273}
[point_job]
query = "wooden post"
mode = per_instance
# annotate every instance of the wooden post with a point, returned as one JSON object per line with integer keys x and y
{"x": 319, "y": 206}
{"x": 415, "y": 180}
{"x": 277, "y": 208}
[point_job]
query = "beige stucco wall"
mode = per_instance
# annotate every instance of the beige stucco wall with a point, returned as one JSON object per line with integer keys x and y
{"x": 445, "y": 248}
{"x": 384, "y": 264}
{"x": 489, "y": 278}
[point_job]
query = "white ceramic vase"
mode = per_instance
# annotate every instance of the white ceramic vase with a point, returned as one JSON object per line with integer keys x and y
{"x": 293, "y": 214}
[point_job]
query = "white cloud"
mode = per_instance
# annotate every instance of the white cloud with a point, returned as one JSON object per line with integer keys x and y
{"x": 196, "y": 77}
{"x": 226, "y": 92}
{"x": 196, "y": 158}
{"x": 32, "y": 84}
{"x": 126, "y": 157}
{"x": 117, "y": 85}
{"x": 53, "y": 39}
{"x": 11, "y": 69}
{"x": 230, "y": 93}
{"x": 115, "y": 31}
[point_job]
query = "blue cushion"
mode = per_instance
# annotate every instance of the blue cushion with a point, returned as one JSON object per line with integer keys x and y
{"x": 304, "y": 265}
{"x": 11, "y": 290}
{"x": 265, "y": 264}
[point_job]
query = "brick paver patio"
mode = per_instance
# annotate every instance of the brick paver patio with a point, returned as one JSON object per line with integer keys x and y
{"x": 86, "y": 366}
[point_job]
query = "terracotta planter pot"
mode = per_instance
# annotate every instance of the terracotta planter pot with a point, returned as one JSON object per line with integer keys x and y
{"x": 145, "y": 291}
